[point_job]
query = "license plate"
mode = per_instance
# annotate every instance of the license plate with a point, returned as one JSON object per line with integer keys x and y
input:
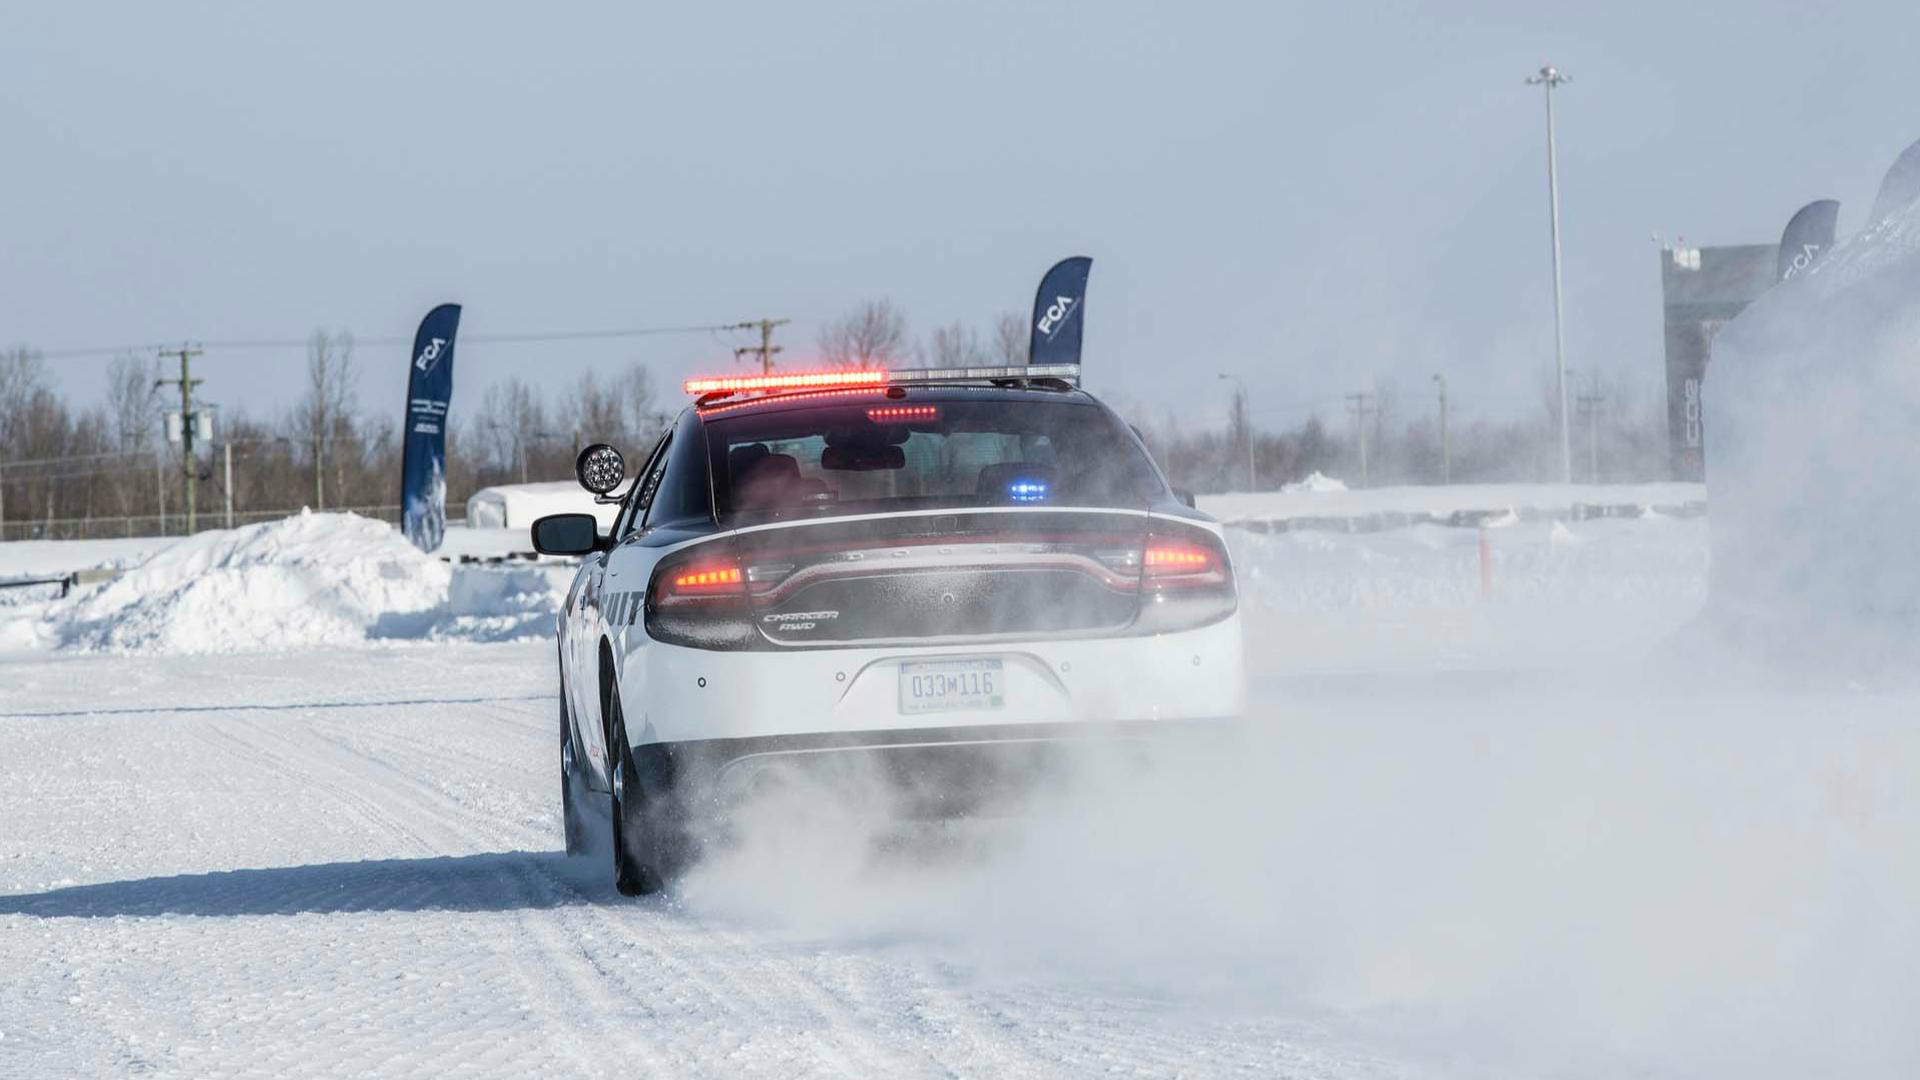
{"x": 942, "y": 685}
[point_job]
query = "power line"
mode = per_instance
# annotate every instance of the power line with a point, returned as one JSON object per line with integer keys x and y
{"x": 766, "y": 348}
{"x": 189, "y": 422}
{"x": 470, "y": 339}
{"x": 1361, "y": 407}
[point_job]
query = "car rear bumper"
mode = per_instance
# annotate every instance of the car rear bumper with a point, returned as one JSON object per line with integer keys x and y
{"x": 924, "y": 773}
{"x": 680, "y": 695}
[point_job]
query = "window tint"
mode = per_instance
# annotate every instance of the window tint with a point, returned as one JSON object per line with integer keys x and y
{"x": 887, "y": 454}
{"x": 681, "y": 491}
{"x": 629, "y": 520}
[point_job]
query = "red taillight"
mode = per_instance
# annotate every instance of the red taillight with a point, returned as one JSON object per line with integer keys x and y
{"x": 1166, "y": 560}
{"x": 706, "y": 580}
{"x": 1184, "y": 583}
{"x": 699, "y": 598}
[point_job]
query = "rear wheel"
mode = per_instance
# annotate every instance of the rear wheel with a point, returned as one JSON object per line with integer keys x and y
{"x": 571, "y": 784}
{"x": 637, "y": 865}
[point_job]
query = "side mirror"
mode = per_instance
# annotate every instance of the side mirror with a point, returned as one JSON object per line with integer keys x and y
{"x": 567, "y": 534}
{"x": 600, "y": 469}
{"x": 1185, "y": 497}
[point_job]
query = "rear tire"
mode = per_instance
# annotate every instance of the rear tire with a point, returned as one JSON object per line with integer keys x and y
{"x": 636, "y": 862}
{"x": 572, "y": 785}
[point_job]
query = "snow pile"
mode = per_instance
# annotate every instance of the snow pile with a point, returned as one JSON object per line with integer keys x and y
{"x": 1811, "y": 456}
{"x": 314, "y": 579}
{"x": 1317, "y": 601}
{"x": 488, "y": 603}
{"x": 1315, "y": 481}
{"x": 1329, "y": 500}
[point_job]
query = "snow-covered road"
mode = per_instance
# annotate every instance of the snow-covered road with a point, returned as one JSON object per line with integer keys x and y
{"x": 343, "y": 862}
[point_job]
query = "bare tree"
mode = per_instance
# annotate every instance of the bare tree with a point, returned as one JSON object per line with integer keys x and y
{"x": 133, "y": 416}
{"x": 512, "y": 419}
{"x": 643, "y": 417}
{"x": 1010, "y": 339}
{"x": 957, "y": 344}
{"x": 598, "y": 410}
{"x": 23, "y": 378}
{"x": 324, "y": 416}
{"x": 130, "y": 401}
{"x": 874, "y": 334}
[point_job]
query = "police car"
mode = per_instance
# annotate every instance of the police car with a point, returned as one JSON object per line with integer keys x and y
{"x": 931, "y": 571}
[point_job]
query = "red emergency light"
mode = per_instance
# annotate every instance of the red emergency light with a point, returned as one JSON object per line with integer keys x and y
{"x": 872, "y": 378}
{"x": 882, "y": 414}
{"x": 798, "y": 380}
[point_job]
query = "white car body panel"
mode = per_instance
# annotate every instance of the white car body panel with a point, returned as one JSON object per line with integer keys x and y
{"x": 1195, "y": 674}
{"x": 676, "y": 694}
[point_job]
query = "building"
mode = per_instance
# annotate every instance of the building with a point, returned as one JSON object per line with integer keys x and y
{"x": 1701, "y": 289}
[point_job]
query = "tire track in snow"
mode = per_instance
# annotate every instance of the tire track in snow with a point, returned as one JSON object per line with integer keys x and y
{"x": 534, "y": 956}
{"x": 808, "y": 1005}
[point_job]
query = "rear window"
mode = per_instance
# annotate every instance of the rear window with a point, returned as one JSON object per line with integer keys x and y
{"x": 884, "y": 454}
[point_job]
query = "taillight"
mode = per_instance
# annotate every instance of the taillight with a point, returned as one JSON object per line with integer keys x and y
{"x": 1173, "y": 560}
{"x": 1185, "y": 581}
{"x": 706, "y": 581}
{"x": 699, "y": 598}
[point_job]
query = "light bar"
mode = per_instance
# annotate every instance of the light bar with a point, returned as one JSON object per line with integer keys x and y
{"x": 796, "y": 395}
{"x": 799, "y": 380}
{"x": 842, "y": 377}
{"x": 1069, "y": 372}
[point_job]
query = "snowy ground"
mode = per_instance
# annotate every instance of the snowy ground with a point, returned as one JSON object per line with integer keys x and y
{"x": 1546, "y": 832}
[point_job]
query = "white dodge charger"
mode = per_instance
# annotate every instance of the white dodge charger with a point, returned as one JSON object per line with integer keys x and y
{"x": 935, "y": 571}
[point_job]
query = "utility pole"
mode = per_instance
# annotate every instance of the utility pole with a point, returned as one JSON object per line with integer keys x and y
{"x": 1360, "y": 407}
{"x": 187, "y": 422}
{"x": 1590, "y": 407}
{"x": 1246, "y": 426}
{"x": 1551, "y": 77}
{"x": 226, "y": 452}
{"x": 1446, "y": 449}
{"x": 766, "y": 348}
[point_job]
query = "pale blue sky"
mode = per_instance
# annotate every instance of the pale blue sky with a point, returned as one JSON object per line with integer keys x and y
{"x": 1305, "y": 195}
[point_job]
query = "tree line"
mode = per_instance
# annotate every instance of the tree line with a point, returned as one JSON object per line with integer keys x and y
{"x": 107, "y": 468}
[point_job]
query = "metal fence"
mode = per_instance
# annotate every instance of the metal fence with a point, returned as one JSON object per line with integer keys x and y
{"x": 110, "y": 528}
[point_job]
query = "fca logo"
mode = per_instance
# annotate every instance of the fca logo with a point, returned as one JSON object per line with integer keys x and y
{"x": 1056, "y": 314}
{"x": 429, "y": 355}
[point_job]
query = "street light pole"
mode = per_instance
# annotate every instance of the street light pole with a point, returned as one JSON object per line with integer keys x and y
{"x": 1446, "y": 449}
{"x": 1550, "y": 77}
{"x": 1246, "y": 426}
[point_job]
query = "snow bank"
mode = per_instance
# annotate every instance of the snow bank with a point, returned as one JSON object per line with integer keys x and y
{"x": 1321, "y": 497}
{"x": 1322, "y": 600}
{"x": 1811, "y": 456}
{"x": 1316, "y": 481}
{"x": 1328, "y": 601}
{"x": 314, "y": 579}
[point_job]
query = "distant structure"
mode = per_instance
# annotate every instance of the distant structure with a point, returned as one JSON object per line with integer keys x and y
{"x": 1701, "y": 289}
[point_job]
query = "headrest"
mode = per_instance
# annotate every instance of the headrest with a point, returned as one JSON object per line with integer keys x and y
{"x": 740, "y": 457}
{"x": 768, "y": 468}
